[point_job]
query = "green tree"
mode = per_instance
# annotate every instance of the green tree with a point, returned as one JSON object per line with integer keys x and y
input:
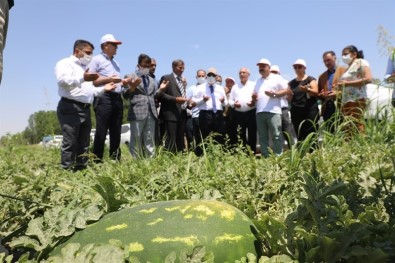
{"x": 41, "y": 123}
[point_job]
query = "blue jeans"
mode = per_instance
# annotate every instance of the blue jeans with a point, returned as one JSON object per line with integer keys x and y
{"x": 269, "y": 122}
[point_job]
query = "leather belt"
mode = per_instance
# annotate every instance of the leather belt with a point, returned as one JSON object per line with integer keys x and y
{"x": 81, "y": 104}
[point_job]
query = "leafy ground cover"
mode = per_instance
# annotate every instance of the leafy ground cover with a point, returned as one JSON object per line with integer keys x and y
{"x": 336, "y": 204}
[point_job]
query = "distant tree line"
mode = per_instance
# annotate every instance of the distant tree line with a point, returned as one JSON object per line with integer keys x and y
{"x": 44, "y": 123}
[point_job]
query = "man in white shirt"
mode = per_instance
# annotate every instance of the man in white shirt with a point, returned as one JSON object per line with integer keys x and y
{"x": 210, "y": 98}
{"x": 240, "y": 100}
{"x": 267, "y": 94}
{"x": 77, "y": 92}
{"x": 286, "y": 125}
{"x": 192, "y": 127}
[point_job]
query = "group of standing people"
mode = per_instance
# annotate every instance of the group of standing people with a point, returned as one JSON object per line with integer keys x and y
{"x": 160, "y": 110}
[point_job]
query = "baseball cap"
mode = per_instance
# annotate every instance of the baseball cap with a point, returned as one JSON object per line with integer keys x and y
{"x": 230, "y": 79}
{"x": 212, "y": 70}
{"x": 300, "y": 62}
{"x": 275, "y": 68}
{"x": 264, "y": 61}
{"x": 109, "y": 38}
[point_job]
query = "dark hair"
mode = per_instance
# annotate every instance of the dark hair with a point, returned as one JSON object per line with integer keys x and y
{"x": 354, "y": 49}
{"x": 177, "y": 62}
{"x": 329, "y": 52}
{"x": 143, "y": 57}
{"x": 80, "y": 44}
{"x": 197, "y": 72}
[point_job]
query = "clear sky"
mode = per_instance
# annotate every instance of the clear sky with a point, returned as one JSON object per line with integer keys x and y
{"x": 226, "y": 34}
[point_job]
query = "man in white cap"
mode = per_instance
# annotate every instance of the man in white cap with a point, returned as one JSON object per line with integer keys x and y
{"x": 210, "y": 98}
{"x": 267, "y": 94}
{"x": 240, "y": 100}
{"x": 109, "y": 106}
{"x": 286, "y": 125}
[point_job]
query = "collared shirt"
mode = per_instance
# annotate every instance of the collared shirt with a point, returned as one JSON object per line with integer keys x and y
{"x": 331, "y": 74}
{"x": 71, "y": 84}
{"x": 204, "y": 90}
{"x": 265, "y": 103}
{"x": 179, "y": 82}
{"x": 242, "y": 93}
{"x": 195, "y": 110}
{"x": 105, "y": 66}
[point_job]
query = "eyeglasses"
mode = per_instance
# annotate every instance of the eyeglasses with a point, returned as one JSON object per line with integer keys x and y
{"x": 298, "y": 67}
{"x": 211, "y": 75}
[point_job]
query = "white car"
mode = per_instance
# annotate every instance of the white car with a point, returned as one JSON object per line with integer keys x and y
{"x": 125, "y": 135}
{"x": 379, "y": 105}
{"x": 52, "y": 141}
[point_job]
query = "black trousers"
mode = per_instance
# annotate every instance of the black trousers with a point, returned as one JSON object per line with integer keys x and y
{"x": 246, "y": 122}
{"x": 231, "y": 128}
{"x": 305, "y": 121}
{"x": 286, "y": 126}
{"x": 109, "y": 112}
{"x": 189, "y": 132}
{"x": 75, "y": 122}
{"x": 175, "y": 133}
{"x": 210, "y": 122}
{"x": 329, "y": 115}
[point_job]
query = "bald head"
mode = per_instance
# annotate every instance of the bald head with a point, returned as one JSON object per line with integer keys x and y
{"x": 244, "y": 75}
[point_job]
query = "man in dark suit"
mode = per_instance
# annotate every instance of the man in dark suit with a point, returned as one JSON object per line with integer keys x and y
{"x": 173, "y": 107}
{"x": 142, "y": 110}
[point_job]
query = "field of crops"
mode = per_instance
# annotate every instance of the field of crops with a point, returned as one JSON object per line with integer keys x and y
{"x": 336, "y": 204}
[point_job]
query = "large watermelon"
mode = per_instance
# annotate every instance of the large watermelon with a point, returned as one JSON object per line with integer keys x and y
{"x": 152, "y": 231}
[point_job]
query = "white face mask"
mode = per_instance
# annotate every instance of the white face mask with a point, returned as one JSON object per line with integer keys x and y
{"x": 201, "y": 80}
{"x": 211, "y": 80}
{"x": 219, "y": 83}
{"x": 143, "y": 71}
{"x": 86, "y": 59}
{"x": 347, "y": 59}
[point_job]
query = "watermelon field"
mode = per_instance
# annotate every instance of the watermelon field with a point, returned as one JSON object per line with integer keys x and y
{"x": 335, "y": 204}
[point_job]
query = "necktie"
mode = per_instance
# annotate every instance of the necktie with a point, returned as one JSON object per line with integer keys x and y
{"x": 182, "y": 90}
{"x": 145, "y": 83}
{"x": 213, "y": 99}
